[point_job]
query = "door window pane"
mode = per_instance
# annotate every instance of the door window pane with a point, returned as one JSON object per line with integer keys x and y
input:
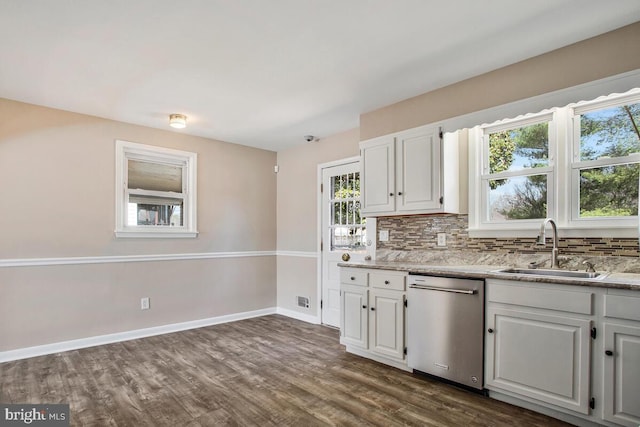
{"x": 348, "y": 230}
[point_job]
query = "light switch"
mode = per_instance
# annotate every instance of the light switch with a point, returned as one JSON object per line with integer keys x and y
{"x": 384, "y": 235}
{"x": 442, "y": 239}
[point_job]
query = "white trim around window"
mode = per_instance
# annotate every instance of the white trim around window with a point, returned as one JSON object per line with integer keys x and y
{"x": 563, "y": 174}
{"x": 185, "y": 196}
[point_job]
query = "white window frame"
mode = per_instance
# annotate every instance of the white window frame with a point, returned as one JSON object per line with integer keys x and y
{"x": 575, "y": 112}
{"x": 482, "y": 176}
{"x": 563, "y": 191}
{"x": 126, "y": 151}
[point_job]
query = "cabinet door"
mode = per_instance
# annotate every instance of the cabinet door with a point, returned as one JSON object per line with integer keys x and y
{"x": 545, "y": 357}
{"x": 622, "y": 374}
{"x": 378, "y": 176}
{"x": 386, "y": 323}
{"x": 353, "y": 315}
{"x": 418, "y": 170}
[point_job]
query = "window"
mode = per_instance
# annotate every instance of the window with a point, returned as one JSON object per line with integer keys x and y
{"x": 579, "y": 165}
{"x": 155, "y": 191}
{"x": 517, "y": 171}
{"x": 606, "y": 160}
{"x": 348, "y": 228}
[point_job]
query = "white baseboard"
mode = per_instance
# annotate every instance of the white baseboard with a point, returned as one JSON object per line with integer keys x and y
{"x": 299, "y": 316}
{"x": 41, "y": 350}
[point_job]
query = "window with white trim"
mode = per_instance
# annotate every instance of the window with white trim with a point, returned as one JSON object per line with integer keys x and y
{"x": 155, "y": 191}
{"x": 579, "y": 165}
{"x": 517, "y": 170}
{"x": 606, "y": 161}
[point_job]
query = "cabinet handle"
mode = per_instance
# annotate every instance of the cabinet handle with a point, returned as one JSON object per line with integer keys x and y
{"x": 353, "y": 278}
{"x": 399, "y": 193}
{"x": 391, "y": 194}
{"x": 364, "y": 306}
{"x": 386, "y": 282}
{"x": 608, "y": 353}
{"x": 373, "y": 309}
{"x": 490, "y": 330}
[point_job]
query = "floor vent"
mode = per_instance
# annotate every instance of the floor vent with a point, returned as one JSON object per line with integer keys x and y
{"x": 303, "y": 302}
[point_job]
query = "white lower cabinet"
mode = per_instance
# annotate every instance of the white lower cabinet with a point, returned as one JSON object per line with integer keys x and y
{"x": 570, "y": 351}
{"x": 373, "y": 314}
{"x": 542, "y": 356}
{"x": 386, "y": 323}
{"x": 538, "y": 342}
{"x": 353, "y": 328}
{"x": 621, "y": 333}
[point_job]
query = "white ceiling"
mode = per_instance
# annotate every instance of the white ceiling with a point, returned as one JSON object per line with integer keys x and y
{"x": 265, "y": 73}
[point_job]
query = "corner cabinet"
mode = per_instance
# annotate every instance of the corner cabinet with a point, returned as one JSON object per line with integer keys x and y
{"x": 402, "y": 173}
{"x": 373, "y": 314}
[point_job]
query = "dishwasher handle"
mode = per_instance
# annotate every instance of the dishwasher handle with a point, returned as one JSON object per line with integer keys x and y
{"x": 433, "y": 288}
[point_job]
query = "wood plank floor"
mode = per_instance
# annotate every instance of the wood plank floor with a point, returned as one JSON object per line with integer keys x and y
{"x": 267, "y": 371}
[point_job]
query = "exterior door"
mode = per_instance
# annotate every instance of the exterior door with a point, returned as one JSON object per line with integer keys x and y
{"x": 344, "y": 231}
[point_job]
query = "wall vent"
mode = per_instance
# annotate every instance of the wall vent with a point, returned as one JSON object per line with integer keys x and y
{"x": 303, "y": 302}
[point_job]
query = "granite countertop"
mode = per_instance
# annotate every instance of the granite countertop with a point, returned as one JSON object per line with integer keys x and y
{"x": 606, "y": 280}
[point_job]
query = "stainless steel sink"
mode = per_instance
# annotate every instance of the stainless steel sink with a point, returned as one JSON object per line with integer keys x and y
{"x": 552, "y": 273}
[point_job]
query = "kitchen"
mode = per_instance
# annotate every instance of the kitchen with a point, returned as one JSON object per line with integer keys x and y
{"x": 559, "y": 314}
{"x": 258, "y": 255}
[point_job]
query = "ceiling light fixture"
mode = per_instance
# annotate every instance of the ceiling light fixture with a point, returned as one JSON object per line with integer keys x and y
{"x": 178, "y": 121}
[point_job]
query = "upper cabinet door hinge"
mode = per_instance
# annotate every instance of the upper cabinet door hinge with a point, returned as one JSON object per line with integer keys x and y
{"x": 321, "y": 188}
{"x": 440, "y": 133}
{"x": 592, "y": 403}
{"x": 593, "y": 333}
{"x": 441, "y": 199}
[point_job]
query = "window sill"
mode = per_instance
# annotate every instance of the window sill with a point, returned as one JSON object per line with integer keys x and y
{"x": 155, "y": 234}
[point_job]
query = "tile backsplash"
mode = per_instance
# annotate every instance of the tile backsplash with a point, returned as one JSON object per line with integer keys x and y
{"x": 419, "y": 233}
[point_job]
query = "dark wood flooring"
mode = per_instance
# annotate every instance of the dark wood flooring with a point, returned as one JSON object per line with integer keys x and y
{"x": 267, "y": 371}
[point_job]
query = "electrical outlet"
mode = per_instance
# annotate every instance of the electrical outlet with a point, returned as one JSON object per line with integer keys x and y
{"x": 442, "y": 239}
{"x": 144, "y": 303}
{"x": 384, "y": 235}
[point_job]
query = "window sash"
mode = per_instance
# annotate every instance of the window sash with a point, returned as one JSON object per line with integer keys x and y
{"x": 126, "y": 151}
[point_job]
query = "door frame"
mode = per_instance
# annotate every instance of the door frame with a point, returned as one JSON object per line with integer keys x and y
{"x": 371, "y": 250}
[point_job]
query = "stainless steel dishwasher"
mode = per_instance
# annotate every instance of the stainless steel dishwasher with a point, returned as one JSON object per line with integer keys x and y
{"x": 445, "y": 324}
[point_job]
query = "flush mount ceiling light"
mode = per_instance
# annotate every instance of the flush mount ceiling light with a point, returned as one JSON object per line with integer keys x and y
{"x": 178, "y": 121}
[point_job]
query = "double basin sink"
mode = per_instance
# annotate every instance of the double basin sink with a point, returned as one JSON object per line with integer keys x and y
{"x": 553, "y": 273}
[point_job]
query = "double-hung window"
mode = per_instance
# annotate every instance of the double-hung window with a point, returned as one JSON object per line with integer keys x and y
{"x": 578, "y": 164}
{"x": 517, "y": 172}
{"x": 606, "y": 162}
{"x": 155, "y": 191}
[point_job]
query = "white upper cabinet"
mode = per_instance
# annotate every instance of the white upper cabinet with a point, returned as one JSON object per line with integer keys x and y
{"x": 403, "y": 173}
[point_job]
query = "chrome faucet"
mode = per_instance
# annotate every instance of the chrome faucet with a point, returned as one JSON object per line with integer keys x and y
{"x": 542, "y": 240}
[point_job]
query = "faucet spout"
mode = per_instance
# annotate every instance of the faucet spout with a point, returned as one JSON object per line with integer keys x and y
{"x": 542, "y": 239}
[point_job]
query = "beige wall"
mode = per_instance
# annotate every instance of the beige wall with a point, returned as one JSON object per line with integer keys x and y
{"x": 607, "y": 55}
{"x": 298, "y": 214}
{"x": 57, "y": 200}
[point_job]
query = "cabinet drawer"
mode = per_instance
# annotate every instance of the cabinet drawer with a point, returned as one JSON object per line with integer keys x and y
{"x": 386, "y": 280}
{"x": 547, "y": 298}
{"x": 353, "y": 276}
{"x": 622, "y": 307}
